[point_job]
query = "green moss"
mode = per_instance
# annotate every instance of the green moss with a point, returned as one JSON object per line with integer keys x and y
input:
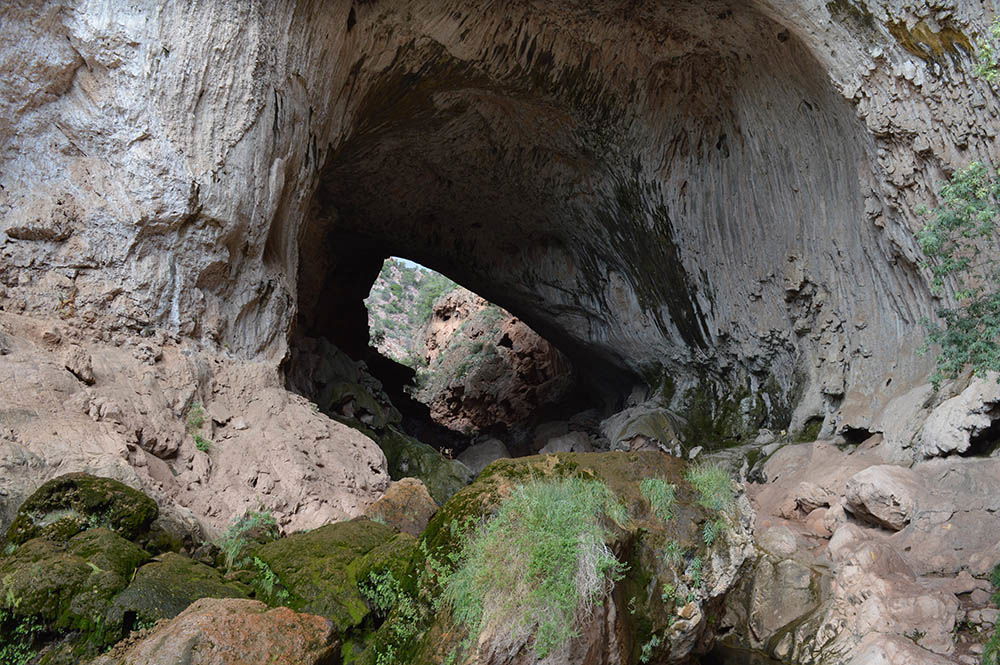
{"x": 164, "y": 588}
{"x": 408, "y": 457}
{"x": 70, "y": 586}
{"x": 69, "y": 504}
{"x": 320, "y": 569}
{"x": 810, "y": 430}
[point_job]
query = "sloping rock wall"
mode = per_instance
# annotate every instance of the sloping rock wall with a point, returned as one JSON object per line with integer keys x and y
{"x": 717, "y": 197}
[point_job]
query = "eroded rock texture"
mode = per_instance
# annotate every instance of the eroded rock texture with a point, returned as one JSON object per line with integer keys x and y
{"x": 718, "y": 192}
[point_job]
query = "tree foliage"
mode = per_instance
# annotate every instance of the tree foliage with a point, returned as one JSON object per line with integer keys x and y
{"x": 960, "y": 245}
{"x": 988, "y": 54}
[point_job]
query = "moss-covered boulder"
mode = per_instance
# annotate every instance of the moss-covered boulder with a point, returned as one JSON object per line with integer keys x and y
{"x": 68, "y": 586}
{"x": 319, "y": 572}
{"x": 164, "y": 588}
{"x": 678, "y": 537}
{"x": 408, "y": 457}
{"x": 69, "y": 504}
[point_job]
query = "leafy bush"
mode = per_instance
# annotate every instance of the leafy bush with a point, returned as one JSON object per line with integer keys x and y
{"x": 195, "y": 417}
{"x": 713, "y": 485}
{"x": 712, "y": 530}
{"x": 661, "y": 496}
{"x": 673, "y": 553}
{"x": 267, "y": 582}
{"x": 959, "y": 243}
{"x": 254, "y": 527}
{"x": 17, "y": 638}
{"x": 538, "y": 565}
{"x": 988, "y": 53}
{"x": 385, "y": 595}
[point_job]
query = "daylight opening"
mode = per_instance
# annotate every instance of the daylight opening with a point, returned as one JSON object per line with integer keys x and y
{"x": 479, "y": 370}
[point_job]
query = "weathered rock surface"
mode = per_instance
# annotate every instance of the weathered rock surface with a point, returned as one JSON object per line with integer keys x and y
{"x": 231, "y": 632}
{"x": 901, "y": 591}
{"x": 487, "y": 368}
{"x": 406, "y": 506}
{"x": 570, "y": 165}
{"x": 478, "y": 456}
{"x": 266, "y": 448}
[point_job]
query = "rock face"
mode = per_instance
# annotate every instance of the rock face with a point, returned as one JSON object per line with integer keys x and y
{"x": 864, "y": 562}
{"x": 231, "y": 632}
{"x": 485, "y": 368}
{"x": 140, "y": 421}
{"x": 586, "y": 168}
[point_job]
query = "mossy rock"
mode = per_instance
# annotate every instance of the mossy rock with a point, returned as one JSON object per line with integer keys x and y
{"x": 68, "y": 586}
{"x": 368, "y": 410}
{"x": 408, "y": 457}
{"x": 69, "y": 504}
{"x": 641, "y": 543}
{"x": 164, "y": 588}
{"x": 320, "y": 570}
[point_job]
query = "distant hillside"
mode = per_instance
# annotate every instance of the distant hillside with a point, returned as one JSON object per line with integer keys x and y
{"x": 400, "y": 305}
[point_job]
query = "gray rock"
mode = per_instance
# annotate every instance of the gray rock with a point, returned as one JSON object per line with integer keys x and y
{"x": 480, "y": 455}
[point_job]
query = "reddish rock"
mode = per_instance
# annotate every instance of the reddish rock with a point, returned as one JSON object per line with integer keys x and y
{"x": 229, "y": 631}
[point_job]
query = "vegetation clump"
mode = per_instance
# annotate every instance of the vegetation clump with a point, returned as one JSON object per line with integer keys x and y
{"x": 256, "y": 527}
{"x": 661, "y": 496}
{"x": 538, "y": 564}
{"x": 713, "y": 485}
{"x": 959, "y": 243}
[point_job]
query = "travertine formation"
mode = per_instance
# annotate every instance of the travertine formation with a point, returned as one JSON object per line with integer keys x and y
{"x": 720, "y": 193}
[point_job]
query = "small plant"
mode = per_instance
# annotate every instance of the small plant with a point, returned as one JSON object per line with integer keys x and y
{"x": 712, "y": 530}
{"x": 17, "y": 647}
{"x": 668, "y": 593}
{"x": 713, "y": 485}
{"x": 258, "y": 526}
{"x": 195, "y": 417}
{"x": 695, "y": 572}
{"x": 385, "y": 595}
{"x": 268, "y": 582}
{"x": 991, "y": 650}
{"x": 915, "y": 635}
{"x": 988, "y": 54}
{"x": 647, "y": 649}
{"x": 202, "y": 444}
{"x": 661, "y": 496}
{"x": 538, "y": 564}
{"x": 673, "y": 553}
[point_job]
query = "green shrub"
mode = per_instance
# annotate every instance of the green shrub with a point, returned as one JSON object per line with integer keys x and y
{"x": 959, "y": 243}
{"x": 647, "y": 649}
{"x": 268, "y": 584}
{"x": 254, "y": 527}
{"x": 17, "y": 638}
{"x": 988, "y": 54}
{"x": 991, "y": 650}
{"x": 661, "y": 496}
{"x": 202, "y": 444}
{"x": 713, "y": 485}
{"x": 538, "y": 564}
{"x": 195, "y": 417}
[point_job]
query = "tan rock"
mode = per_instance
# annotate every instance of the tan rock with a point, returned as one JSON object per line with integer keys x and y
{"x": 884, "y": 494}
{"x": 406, "y": 505}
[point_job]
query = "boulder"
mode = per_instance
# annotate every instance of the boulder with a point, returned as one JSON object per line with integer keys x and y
{"x": 231, "y": 631}
{"x": 69, "y": 504}
{"x": 574, "y": 442}
{"x": 69, "y": 586}
{"x": 480, "y": 455}
{"x": 406, "y": 506}
{"x": 408, "y": 457}
{"x": 952, "y": 424}
{"x": 165, "y": 587}
{"x": 319, "y": 571}
{"x": 673, "y": 572}
{"x": 885, "y": 494}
